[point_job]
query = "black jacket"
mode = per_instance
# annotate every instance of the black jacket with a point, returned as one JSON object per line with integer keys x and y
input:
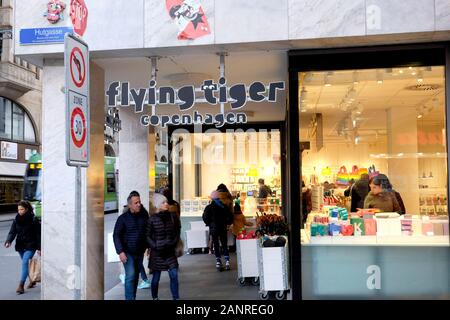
{"x": 163, "y": 233}
{"x": 129, "y": 232}
{"x": 26, "y": 230}
{"x": 217, "y": 216}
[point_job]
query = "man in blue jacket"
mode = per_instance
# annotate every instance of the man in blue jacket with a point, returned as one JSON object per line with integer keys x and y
{"x": 130, "y": 242}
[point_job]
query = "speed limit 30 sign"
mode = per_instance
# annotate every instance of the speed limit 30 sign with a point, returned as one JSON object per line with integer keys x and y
{"x": 76, "y": 62}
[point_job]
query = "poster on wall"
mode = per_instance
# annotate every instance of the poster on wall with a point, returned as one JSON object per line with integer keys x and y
{"x": 189, "y": 17}
{"x": 9, "y": 150}
{"x": 29, "y": 153}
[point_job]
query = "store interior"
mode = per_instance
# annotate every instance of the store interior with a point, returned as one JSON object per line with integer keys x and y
{"x": 236, "y": 158}
{"x": 389, "y": 121}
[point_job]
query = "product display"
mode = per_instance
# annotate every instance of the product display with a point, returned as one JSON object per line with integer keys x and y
{"x": 334, "y": 222}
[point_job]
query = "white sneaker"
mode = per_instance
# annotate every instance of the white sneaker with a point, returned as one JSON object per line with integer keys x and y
{"x": 122, "y": 278}
{"x": 145, "y": 284}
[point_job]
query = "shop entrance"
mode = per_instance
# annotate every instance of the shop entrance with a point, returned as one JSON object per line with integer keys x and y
{"x": 190, "y": 161}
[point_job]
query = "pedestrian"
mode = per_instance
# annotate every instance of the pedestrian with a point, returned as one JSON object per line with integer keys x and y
{"x": 217, "y": 216}
{"x": 381, "y": 195}
{"x": 163, "y": 234}
{"x": 130, "y": 242}
{"x": 359, "y": 192}
{"x": 174, "y": 207}
{"x": 26, "y": 230}
{"x": 239, "y": 221}
{"x": 306, "y": 201}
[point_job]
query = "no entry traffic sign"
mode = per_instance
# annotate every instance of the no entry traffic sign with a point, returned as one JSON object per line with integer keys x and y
{"x": 76, "y": 61}
{"x": 77, "y": 67}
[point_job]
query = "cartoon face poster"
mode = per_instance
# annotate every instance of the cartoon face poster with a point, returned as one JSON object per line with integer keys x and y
{"x": 189, "y": 17}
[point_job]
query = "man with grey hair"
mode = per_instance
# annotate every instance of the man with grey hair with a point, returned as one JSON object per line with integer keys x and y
{"x": 130, "y": 242}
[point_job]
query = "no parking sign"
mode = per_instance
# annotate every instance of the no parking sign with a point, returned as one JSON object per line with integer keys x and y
{"x": 76, "y": 62}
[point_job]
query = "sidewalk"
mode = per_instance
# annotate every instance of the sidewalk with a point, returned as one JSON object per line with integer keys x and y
{"x": 7, "y": 216}
{"x": 198, "y": 280}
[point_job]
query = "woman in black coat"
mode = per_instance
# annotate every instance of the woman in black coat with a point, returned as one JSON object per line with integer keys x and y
{"x": 163, "y": 233}
{"x": 26, "y": 229}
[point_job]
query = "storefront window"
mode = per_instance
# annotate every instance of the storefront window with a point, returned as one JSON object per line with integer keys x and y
{"x": 374, "y": 182}
{"x": 236, "y": 157}
{"x": 15, "y": 123}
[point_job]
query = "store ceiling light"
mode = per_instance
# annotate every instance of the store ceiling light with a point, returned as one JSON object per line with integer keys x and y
{"x": 419, "y": 116}
{"x": 420, "y": 76}
{"x": 327, "y": 79}
{"x": 379, "y": 77}
{"x": 355, "y": 77}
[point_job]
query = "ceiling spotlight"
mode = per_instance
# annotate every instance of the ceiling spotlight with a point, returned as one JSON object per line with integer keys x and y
{"x": 420, "y": 76}
{"x": 379, "y": 77}
{"x": 419, "y": 116}
{"x": 400, "y": 71}
{"x": 303, "y": 94}
{"x": 355, "y": 77}
{"x": 327, "y": 79}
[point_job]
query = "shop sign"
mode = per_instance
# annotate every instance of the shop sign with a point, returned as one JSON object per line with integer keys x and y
{"x": 214, "y": 93}
{"x": 9, "y": 150}
{"x": 43, "y": 35}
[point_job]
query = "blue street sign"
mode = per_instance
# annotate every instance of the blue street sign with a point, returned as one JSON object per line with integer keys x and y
{"x": 43, "y": 35}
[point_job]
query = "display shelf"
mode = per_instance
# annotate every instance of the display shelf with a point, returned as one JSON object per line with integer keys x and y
{"x": 377, "y": 240}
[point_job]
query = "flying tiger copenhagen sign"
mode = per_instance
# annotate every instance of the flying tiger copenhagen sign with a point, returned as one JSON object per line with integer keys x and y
{"x": 214, "y": 93}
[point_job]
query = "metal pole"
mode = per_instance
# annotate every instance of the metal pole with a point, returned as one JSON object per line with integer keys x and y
{"x": 154, "y": 61}
{"x": 222, "y": 75}
{"x": 78, "y": 234}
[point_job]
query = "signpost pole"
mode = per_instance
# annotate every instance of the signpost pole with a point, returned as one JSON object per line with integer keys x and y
{"x": 78, "y": 284}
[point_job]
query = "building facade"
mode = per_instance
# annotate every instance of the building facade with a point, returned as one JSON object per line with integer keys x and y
{"x": 20, "y": 113}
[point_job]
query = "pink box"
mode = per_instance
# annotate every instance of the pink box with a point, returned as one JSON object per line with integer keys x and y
{"x": 445, "y": 228}
{"x": 438, "y": 228}
{"x": 370, "y": 226}
{"x": 427, "y": 228}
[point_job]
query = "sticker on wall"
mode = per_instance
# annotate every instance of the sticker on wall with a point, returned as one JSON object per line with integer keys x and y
{"x": 55, "y": 11}
{"x": 189, "y": 18}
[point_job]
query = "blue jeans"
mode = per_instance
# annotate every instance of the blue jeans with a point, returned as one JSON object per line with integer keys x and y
{"x": 173, "y": 275}
{"x": 26, "y": 256}
{"x": 132, "y": 268}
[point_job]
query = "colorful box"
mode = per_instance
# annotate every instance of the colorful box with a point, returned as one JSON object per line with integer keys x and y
{"x": 358, "y": 226}
{"x": 370, "y": 227}
{"x": 347, "y": 230}
{"x": 445, "y": 228}
{"x": 416, "y": 226}
{"x": 427, "y": 228}
{"x": 438, "y": 228}
{"x": 334, "y": 229}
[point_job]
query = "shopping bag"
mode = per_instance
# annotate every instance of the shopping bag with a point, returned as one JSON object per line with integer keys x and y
{"x": 34, "y": 269}
{"x": 179, "y": 248}
{"x": 342, "y": 177}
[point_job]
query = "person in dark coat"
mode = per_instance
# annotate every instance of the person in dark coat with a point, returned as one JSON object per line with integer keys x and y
{"x": 163, "y": 234}
{"x": 26, "y": 229}
{"x": 130, "y": 242}
{"x": 217, "y": 216}
{"x": 174, "y": 206}
{"x": 359, "y": 192}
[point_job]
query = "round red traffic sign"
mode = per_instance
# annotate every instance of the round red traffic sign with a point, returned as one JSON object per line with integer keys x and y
{"x": 77, "y": 67}
{"x": 78, "y": 16}
{"x": 78, "y": 127}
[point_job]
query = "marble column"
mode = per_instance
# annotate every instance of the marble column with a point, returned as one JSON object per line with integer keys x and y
{"x": 60, "y": 275}
{"x": 133, "y": 157}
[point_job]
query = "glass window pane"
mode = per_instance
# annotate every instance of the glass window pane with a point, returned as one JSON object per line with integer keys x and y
{"x": 5, "y": 118}
{"x": 374, "y": 171}
{"x": 18, "y": 123}
{"x": 29, "y": 135}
